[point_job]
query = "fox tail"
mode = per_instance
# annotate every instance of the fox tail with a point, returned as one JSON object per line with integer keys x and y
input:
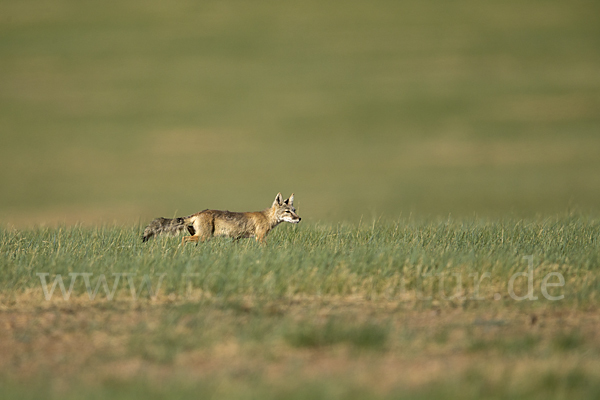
{"x": 166, "y": 226}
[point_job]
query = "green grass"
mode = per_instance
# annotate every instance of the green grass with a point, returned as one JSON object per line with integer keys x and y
{"x": 365, "y": 336}
{"x": 320, "y": 311}
{"x": 416, "y": 260}
{"x": 152, "y": 108}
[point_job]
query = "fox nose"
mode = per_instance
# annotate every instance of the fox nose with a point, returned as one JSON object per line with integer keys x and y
{"x": 299, "y": 219}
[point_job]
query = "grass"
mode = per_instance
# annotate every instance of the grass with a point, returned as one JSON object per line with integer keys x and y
{"x": 335, "y": 311}
{"x": 437, "y": 260}
{"x": 363, "y": 109}
{"x": 364, "y": 336}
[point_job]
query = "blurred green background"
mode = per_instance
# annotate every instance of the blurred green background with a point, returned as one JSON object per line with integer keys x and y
{"x": 121, "y": 111}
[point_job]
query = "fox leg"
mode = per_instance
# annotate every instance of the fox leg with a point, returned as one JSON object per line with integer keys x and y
{"x": 193, "y": 238}
{"x": 260, "y": 236}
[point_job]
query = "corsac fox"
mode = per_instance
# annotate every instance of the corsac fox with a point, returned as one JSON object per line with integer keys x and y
{"x": 237, "y": 225}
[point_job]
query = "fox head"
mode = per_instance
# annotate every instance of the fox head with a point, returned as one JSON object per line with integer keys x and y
{"x": 284, "y": 209}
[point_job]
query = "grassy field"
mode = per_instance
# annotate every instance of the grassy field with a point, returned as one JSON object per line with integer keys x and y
{"x": 444, "y": 157}
{"x": 363, "y": 109}
{"x": 408, "y": 309}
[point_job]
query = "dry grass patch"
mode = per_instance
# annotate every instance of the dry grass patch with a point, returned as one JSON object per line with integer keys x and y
{"x": 373, "y": 345}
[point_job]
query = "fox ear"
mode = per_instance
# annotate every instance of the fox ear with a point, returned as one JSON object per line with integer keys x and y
{"x": 290, "y": 201}
{"x": 278, "y": 200}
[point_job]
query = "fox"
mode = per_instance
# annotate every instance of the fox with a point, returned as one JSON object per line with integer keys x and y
{"x": 237, "y": 225}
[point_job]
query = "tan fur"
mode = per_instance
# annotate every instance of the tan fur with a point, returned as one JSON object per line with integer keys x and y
{"x": 237, "y": 225}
